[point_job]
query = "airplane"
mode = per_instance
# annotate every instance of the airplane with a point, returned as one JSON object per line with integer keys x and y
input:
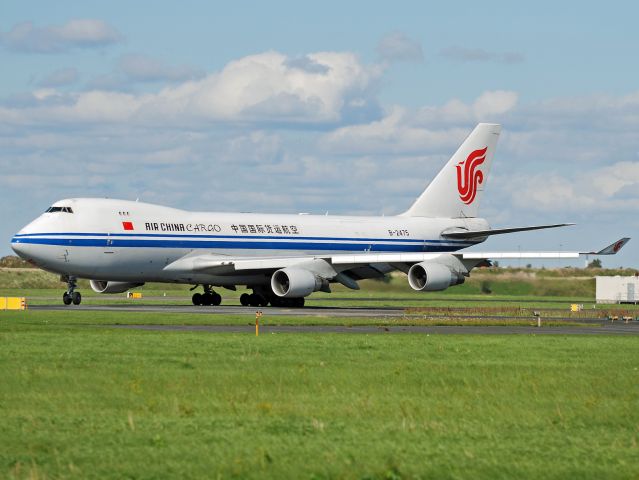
{"x": 119, "y": 244}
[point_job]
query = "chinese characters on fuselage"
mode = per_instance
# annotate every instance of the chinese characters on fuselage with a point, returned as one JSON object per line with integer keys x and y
{"x": 269, "y": 229}
{"x": 215, "y": 228}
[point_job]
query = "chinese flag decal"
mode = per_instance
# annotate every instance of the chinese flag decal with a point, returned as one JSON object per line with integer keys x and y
{"x": 127, "y": 225}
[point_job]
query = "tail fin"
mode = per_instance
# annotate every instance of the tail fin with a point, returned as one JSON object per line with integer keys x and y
{"x": 456, "y": 190}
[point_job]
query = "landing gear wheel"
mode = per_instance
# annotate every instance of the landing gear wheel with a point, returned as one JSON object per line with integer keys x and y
{"x": 197, "y": 299}
{"x": 207, "y": 299}
{"x": 76, "y": 298}
{"x": 287, "y": 302}
{"x": 245, "y": 299}
{"x": 257, "y": 300}
{"x": 217, "y": 299}
{"x": 71, "y": 296}
{"x": 276, "y": 301}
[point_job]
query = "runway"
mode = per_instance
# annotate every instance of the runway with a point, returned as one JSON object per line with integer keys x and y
{"x": 342, "y": 312}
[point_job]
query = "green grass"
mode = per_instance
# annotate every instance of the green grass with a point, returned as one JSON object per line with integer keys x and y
{"x": 339, "y": 298}
{"x": 88, "y": 402}
{"x": 71, "y": 317}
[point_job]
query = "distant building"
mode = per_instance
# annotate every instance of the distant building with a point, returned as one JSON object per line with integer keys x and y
{"x": 617, "y": 289}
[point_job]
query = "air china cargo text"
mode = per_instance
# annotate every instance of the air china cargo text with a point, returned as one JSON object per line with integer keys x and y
{"x": 182, "y": 227}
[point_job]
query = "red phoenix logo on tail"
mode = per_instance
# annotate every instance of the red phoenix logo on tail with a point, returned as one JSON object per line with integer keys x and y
{"x": 468, "y": 177}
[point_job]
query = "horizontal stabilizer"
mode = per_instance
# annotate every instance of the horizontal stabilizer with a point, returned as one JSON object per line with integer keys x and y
{"x": 611, "y": 249}
{"x": 463, "y": 234}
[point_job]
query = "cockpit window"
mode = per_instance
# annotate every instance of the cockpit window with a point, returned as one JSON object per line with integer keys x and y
{"x": 59, "y": 209}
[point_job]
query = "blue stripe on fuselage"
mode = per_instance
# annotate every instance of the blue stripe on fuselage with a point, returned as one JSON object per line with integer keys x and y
{"x": 252, "y": 237}
{"x": 283, "y": 244}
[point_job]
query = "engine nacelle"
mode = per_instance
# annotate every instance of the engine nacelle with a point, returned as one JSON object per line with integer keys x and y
{"x": 296, "y": 282}
{"x": 431, "y": 277}
{"x": 105, "y": 286}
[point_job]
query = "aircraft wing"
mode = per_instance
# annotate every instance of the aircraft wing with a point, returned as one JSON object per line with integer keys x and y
{"x": 220, "y": 264}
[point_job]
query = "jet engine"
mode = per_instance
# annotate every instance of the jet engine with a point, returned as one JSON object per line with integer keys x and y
{"x": 105, "y": 286}
{"x": 430, "y": 277}
{"x": 296, "y": 282}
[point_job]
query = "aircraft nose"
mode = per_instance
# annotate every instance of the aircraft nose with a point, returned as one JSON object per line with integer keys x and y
{"x": 20, "y": 244}
{"x": 19, "y": 248}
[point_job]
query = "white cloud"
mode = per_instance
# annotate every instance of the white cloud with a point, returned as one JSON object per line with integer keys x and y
{"x": 428, "y": 130}
{"x": 603, "y": 112}
{"x": 394, "y": 133}
{"x": 488, "y": 107}
{"x": 496, "y": 102}
{"x": 618, "y": 178}
{"x": 266, "y": 86}
{"x": 262, "y": 87}
{"x": 614, "y": 188}
{"x": 398, "y": 47}
{"x": 77, "y": 33}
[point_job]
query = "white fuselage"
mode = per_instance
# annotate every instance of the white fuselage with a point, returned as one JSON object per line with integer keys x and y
{"x": 119, "y": 240}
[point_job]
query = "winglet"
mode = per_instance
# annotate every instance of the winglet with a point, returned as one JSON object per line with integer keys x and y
{"x": 612, "y": 249}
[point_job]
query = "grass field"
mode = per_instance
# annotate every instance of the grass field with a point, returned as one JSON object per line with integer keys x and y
{"x": 83, "y": 401}
{"x": 79, "y": 399}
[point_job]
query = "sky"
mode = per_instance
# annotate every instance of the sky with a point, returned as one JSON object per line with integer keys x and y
{"x": 338, "y": 107}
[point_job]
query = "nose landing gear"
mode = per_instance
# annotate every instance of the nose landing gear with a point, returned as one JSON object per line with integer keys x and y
{"x": 71, "y": 296}
{"x": 209, "y": 297}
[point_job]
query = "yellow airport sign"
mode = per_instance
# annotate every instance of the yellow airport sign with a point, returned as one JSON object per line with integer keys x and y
{"x": 13, "y": 303}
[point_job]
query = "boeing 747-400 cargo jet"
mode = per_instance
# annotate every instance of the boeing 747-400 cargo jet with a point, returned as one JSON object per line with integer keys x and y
{"x": 119, "y": 244}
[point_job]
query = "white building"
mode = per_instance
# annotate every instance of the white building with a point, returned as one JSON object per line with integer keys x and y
{"x": 617, "y": 289}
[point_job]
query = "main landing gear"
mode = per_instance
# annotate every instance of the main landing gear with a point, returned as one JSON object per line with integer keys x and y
{"x": 209, "y": 297}
{"x": 262, "y": 299}
{"x": 253, "y": 300}
{"x": 259, "y": 298}
{"x": 71, "y": 296}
